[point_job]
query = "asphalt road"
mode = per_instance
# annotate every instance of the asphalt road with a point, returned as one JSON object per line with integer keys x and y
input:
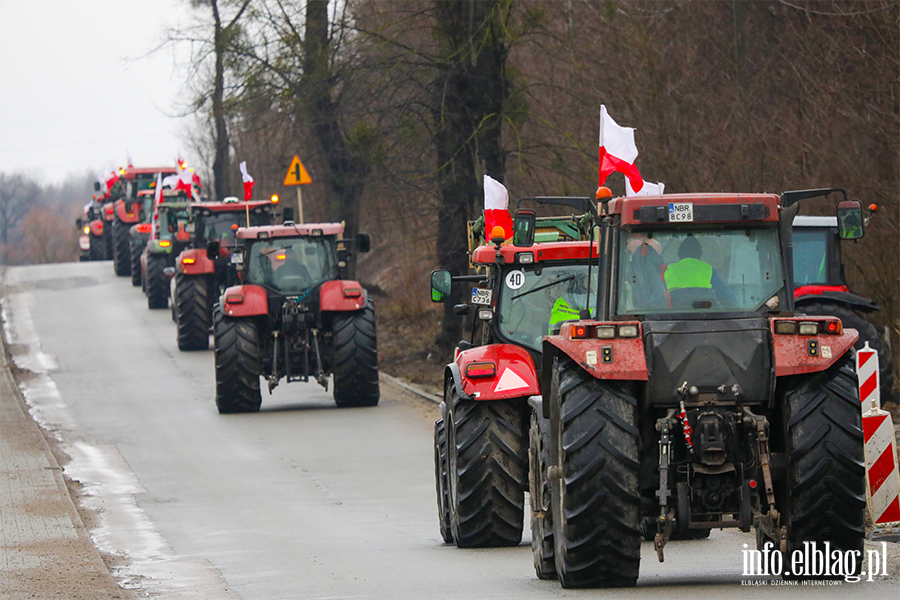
{"x": 299, "y": 501}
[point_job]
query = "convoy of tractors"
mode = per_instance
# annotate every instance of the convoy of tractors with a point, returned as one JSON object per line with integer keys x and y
{"x": 638, "y": 368}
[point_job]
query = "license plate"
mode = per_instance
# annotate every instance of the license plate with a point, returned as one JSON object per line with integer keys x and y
{"x": 237, "y": 258}
{"x": 681, "y": 212}
{"x": 481, "y": 296}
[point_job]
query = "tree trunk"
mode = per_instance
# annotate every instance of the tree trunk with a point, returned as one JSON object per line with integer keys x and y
{"x": 222, "y": 187}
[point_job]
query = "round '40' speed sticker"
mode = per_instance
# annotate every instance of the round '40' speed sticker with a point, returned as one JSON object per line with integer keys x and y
{"x": 515, "y": 279}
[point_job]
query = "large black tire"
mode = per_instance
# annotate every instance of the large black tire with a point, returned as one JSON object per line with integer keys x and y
{"x": 157, "y": 287}
{"x": 488, "y": 462}
{"x": 97, "y": 249}
{"x": 867, "y": 333}
{"x": 192, "y": 311}
{"x": 135, "y": 251}
{"x": 539, "y": 493}
{"x": 356, "y": 358}
{"x": 441, "y": 481}
{"x": 826, "y": 487}
{"x": 121, "y": 255}
{"x": 237, "y": 364}
{"x": 596, "y": 502}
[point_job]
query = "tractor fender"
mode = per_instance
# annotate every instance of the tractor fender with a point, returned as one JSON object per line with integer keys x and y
{"x": 616, "y": 358}
{"x": 341, "y": 295}
{"x": 109, "y": 211}
{"x": 96, "y": 227}
{"x": 514, "y": 374}
{"x": 129, "y": 213}
{"x": 245, "y": 301}
{"x": 832, "y": 294}
{"x": 197, "y": 262}
{"x": 793, "y": 355}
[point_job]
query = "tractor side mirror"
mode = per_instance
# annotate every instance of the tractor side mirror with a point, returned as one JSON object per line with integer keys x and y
{"x": 441, "y": 281}
{"x": 96, "y": 186}
{"x": 79, "y": 223}
{"x": 850, "y": 219}
{"x": 523, "y": 228}
{"x": 212, "y": 249}
{"x": 363, "y": 244}
{"x": 287, "y": 214}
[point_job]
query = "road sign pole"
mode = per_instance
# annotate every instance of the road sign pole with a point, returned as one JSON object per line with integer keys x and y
{"x": 300, "y": 204}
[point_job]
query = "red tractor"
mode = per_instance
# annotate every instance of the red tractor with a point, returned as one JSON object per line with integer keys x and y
{"x": 698, "y": 397}
{"x": 94, "y": 228}
{"x": 203, "y": 270}
{"x": 292, "y": 316}
{"x": 481, "y": 441}
{"x": 126, "y": 211}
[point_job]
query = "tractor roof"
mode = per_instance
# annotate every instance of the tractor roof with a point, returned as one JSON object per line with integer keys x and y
{"x": 706, "y": 208}
{"x": 132, "y": 172}
{"x": 808, "y": 221}
{"x": 302, "y": 229}
{"x": 230, "y": 206}
{"x": 542, "y": 252}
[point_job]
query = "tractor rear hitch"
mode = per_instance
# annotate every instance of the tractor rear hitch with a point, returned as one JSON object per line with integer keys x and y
{"x": 665, "y": 523}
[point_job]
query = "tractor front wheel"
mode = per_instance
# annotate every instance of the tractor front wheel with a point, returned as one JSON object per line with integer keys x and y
{"x": 596, "y": 495}
{"x": 192, "y": 312}
{"x": 441, "y": 481}
{"x": 237, "y": 364}
{"x": 539, "y": 495}
{"x": 488, "y": 462}
{"x": 135, "y": 251}
{"x": 157, "y": 282}
{"x": 356, "y": 358}
{"x": 826, "y": 495}
{"x": 121, "y": 255}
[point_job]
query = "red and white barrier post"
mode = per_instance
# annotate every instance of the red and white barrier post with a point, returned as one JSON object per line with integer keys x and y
{"x": 882, "y": 476}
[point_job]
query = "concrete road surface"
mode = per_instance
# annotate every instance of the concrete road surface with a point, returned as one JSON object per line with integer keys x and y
{"x": 302, "y": 500}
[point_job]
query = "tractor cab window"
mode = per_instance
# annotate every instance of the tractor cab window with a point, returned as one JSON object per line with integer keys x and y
{"x": 699, "y": 271}
{"x": 811, "y": 256}
{"x": 171, "y": 224}
{"x": 292, "y": 265}
{"x": 139, "y": 184}
{"x": 217, "y": 225}
{"x": 535, "y": 298}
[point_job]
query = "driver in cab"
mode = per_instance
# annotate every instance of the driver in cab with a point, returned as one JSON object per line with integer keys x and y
{"x": 290, "y": 266}
{"x": 692, "y": 281}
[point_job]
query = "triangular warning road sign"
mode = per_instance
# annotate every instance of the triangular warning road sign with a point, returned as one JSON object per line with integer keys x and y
{"x": 510, "y": 380}
{"x": 296, "y": 174}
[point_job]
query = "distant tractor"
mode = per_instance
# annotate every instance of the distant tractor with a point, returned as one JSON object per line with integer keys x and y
{"x": 697, "y": 395}
{"x": 203, "y": 270}
{"x": 820, "y": 288}
{"x": 168, "y": 238}
{"x": 292, "y": 316}
{"x": 139, "y": 235}
{"x": 481, "y": 440}
{"x": 127, "y": 212}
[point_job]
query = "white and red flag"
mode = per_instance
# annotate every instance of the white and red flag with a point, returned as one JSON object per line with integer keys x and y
{"x": 496, "y": 209}
{"x": 649, "y": 189}
{"x": 110, "y": 177}
{"x": 157, "y": 198}
{"x": 128, "y": 159}
{"x": 618, "y": 151}
{"x": 248, "y": 181}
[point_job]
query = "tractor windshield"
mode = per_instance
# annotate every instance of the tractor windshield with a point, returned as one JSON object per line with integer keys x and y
{"x": 217, "y": 225}
{"x": 171, "y": 223}
{"x": 700, "y": 271}
{"x": 811, "y": 256}
{"x": 292, "y": 265}
{"x": 535, "y": 298}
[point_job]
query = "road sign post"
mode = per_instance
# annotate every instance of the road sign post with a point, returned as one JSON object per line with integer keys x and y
{"x": 298, "y": 176}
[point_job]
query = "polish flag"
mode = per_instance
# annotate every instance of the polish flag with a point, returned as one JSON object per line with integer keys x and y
{"x": 110, "y": 177}
{"x": 157, "y": 198}
{"x": 128, "y": 158}
{"x": 248, "y": 181}
{"x": 496, "y": 209}
{"x": 649, "y": 189}
{"x": 184, "y": 179}
{"x": 618, "y": 151}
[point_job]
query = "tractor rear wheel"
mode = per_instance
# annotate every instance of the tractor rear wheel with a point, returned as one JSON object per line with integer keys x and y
{"x": 488, "y": 462}
{"x": 867, "y": 333}
{"x": 157, "y": 282}
{"x": 97, "y": 249}
{"x": 826, "y": 487}
{"x": 192, "y": 311}
{"x": 596, "y": 498}
{"x": 121, "y": 256}
{"x": 356, "y": 358}
{"x": 441, "y": 482}
{"x": 135, "y": 251}
{"x": 539, "y": 494}
{"x": 237, "y": 364}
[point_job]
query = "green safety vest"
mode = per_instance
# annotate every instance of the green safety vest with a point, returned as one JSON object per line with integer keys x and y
{"x": 561, "y": 312}
{"x": 688, "y": 273}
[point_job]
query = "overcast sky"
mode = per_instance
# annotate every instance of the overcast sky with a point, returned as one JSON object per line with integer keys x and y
{"x": 75, "y": 93}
